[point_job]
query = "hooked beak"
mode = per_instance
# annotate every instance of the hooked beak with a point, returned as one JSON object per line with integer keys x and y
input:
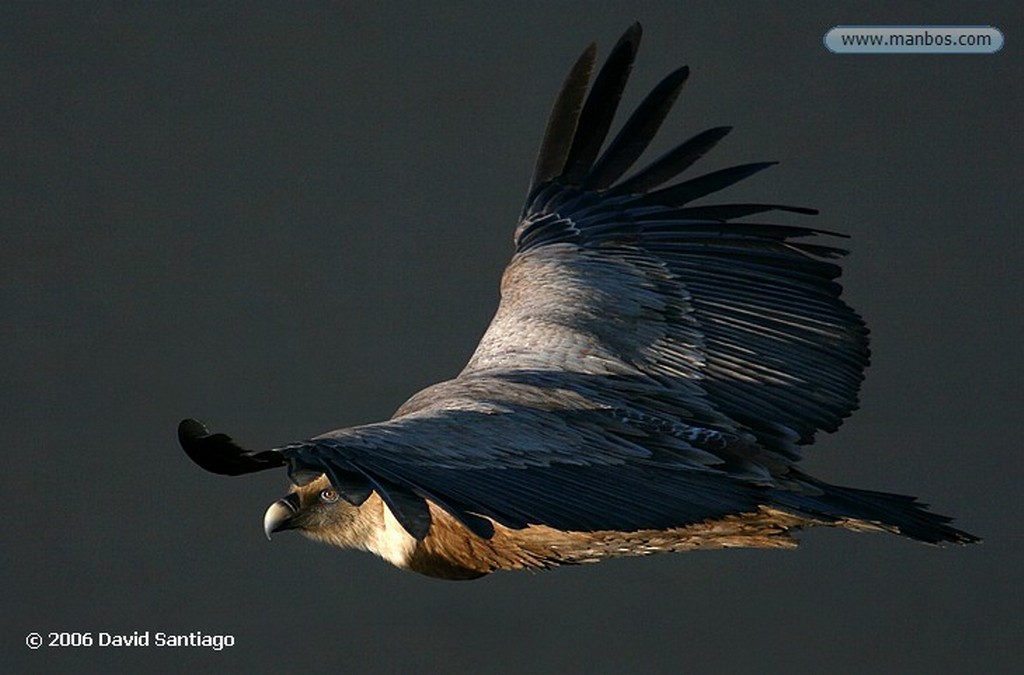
{"x": 279, "y": 516}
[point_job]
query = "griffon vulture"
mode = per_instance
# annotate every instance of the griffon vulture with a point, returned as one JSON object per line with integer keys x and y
{"x": 655, "y": 364}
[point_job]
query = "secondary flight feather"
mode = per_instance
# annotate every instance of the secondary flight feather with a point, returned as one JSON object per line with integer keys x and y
{"x": 651, "y": 374}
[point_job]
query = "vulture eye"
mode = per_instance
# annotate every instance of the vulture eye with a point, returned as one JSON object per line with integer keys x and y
{"x": 329, "y": 496}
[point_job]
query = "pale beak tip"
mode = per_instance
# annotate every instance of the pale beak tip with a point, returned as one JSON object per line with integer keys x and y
{"x": 278, "y": 516}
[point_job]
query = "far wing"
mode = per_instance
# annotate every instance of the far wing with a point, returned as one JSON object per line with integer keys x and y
{"x": 621, "y": 276}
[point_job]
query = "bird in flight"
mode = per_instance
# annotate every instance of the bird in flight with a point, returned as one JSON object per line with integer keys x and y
{"x": 655, "y": 365}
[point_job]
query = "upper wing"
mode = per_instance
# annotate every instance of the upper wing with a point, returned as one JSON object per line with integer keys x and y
{"x": 623, "y": 276}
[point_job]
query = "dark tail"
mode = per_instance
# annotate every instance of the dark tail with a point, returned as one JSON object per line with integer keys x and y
{"x": 900, "y": 514}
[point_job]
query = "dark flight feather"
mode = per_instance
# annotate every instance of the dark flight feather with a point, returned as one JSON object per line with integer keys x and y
{"x": 561, "y": 128}
{"x": 672, "y": 163}
{"x": 637, "y": 133}
{"x": 218, "y": 453}
{"x": 600, "y": 107}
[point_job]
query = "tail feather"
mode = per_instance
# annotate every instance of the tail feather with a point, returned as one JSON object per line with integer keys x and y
{"x": 901, "y": 514}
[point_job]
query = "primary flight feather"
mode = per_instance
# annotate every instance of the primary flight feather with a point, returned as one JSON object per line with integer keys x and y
{"x": 646, "y": 385}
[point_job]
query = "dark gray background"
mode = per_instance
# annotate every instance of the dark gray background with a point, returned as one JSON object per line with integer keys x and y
{"x": 286, "y": 220}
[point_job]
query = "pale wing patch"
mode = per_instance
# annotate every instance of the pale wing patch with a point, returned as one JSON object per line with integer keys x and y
{"x": 390, "y": 541}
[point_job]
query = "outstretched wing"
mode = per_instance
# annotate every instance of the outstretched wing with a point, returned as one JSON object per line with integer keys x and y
{"x": 652, "y": 363}
{"x": 624, "y": 276}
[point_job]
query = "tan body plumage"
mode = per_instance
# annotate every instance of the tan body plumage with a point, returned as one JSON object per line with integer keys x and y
{"x": 451, "y": 551}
